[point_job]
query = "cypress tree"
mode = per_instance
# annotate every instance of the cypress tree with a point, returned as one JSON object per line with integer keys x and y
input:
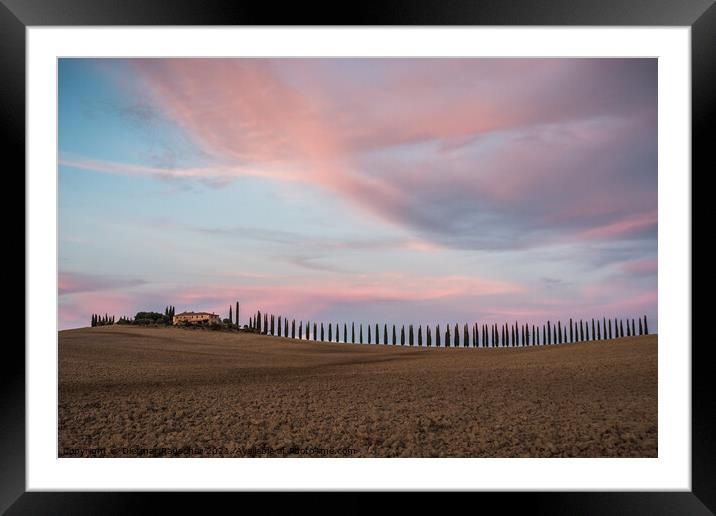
{"x": 266, "y": 326}
{"x": 402, "y": 335}
{"x": 628, "y": 329}
{"x": 420, "y": 336}
{"x": 395, "y": 339}
{"x": 293, "y": 328}
{"x": 322, "y": 332}
{"x": 377, "y": 334}
{"x": 369, "y": 339}
{"x": 353, "y": 333}
{"x": 646, "y": 327}
{"x": 345, "y": 333}
{"x": 429, "y": 336}
{"x": 559, "y": 327}
{"x": 610, "y": 330}
{"x": 571, "y": 331}
{"x": 437, "y": 336}
{"x": 633, "y": 329}
{"x": 300, "y": 330}
{"x": 237, "y": 315}
{"x": 549, "y": 333}
{"x": 604, "y": 328}
{"x": 285, "y": 327}
{"x": 621, "y": 328}
{"x": 279, "y": 326}
{"x": 465, "y": 337}
{"x": 641, "y": 329}
{"x": 360, "y": 337}
{"x": 447, "y": 336}
{"x": 231, "y": 315}
{"x": 330, "y": 332}
{"x": 581, "y": 331}
{"x": 385, "y": 334}
{"x": 410, "y": 334}
{"x": 593, "y": 332}
{"x": 315, "y": 331}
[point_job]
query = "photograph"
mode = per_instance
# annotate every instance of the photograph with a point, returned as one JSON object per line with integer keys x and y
{"x": 357, "y": 257}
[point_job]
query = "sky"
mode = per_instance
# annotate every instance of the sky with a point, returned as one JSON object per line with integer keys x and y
{"x": 406, "y": 191}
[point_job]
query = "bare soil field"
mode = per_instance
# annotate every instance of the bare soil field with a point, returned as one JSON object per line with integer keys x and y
{"x": 145, "y": 392}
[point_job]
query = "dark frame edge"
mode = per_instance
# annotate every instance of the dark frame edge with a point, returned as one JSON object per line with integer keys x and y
{"x": 12, "y": 378}
{"x": 703, "y": 113}
{"x": 702, "y": 498}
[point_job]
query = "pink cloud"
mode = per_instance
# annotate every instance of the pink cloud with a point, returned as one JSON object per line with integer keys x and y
{"x": 640, "y": 267}
{"x": 627, "y": 225}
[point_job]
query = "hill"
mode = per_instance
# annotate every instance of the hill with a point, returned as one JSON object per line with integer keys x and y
{"x": 127, "y": 391}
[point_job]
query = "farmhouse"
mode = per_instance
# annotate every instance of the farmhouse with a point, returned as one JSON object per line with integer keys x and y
{"x": 196, "y": 317}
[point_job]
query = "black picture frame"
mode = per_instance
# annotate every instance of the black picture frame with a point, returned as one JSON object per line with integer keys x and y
{"x": 700, "y": 15}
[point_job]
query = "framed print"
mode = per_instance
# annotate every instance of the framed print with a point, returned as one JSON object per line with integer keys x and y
{"x": 425, "y": 249}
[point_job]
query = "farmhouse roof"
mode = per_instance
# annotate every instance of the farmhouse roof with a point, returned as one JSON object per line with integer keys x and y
{"x": 196, "y": 313}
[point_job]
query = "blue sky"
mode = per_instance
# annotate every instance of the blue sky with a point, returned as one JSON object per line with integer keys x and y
{"x": 400, "y": 190}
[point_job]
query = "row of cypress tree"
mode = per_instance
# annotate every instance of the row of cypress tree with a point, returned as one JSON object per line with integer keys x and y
{"x": 486, "y": 336}
{"x": 99, "y": 320}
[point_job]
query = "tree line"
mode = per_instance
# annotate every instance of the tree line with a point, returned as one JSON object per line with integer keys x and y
{"x": 158, "y": 318}
{"x": 475, "y": 335}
